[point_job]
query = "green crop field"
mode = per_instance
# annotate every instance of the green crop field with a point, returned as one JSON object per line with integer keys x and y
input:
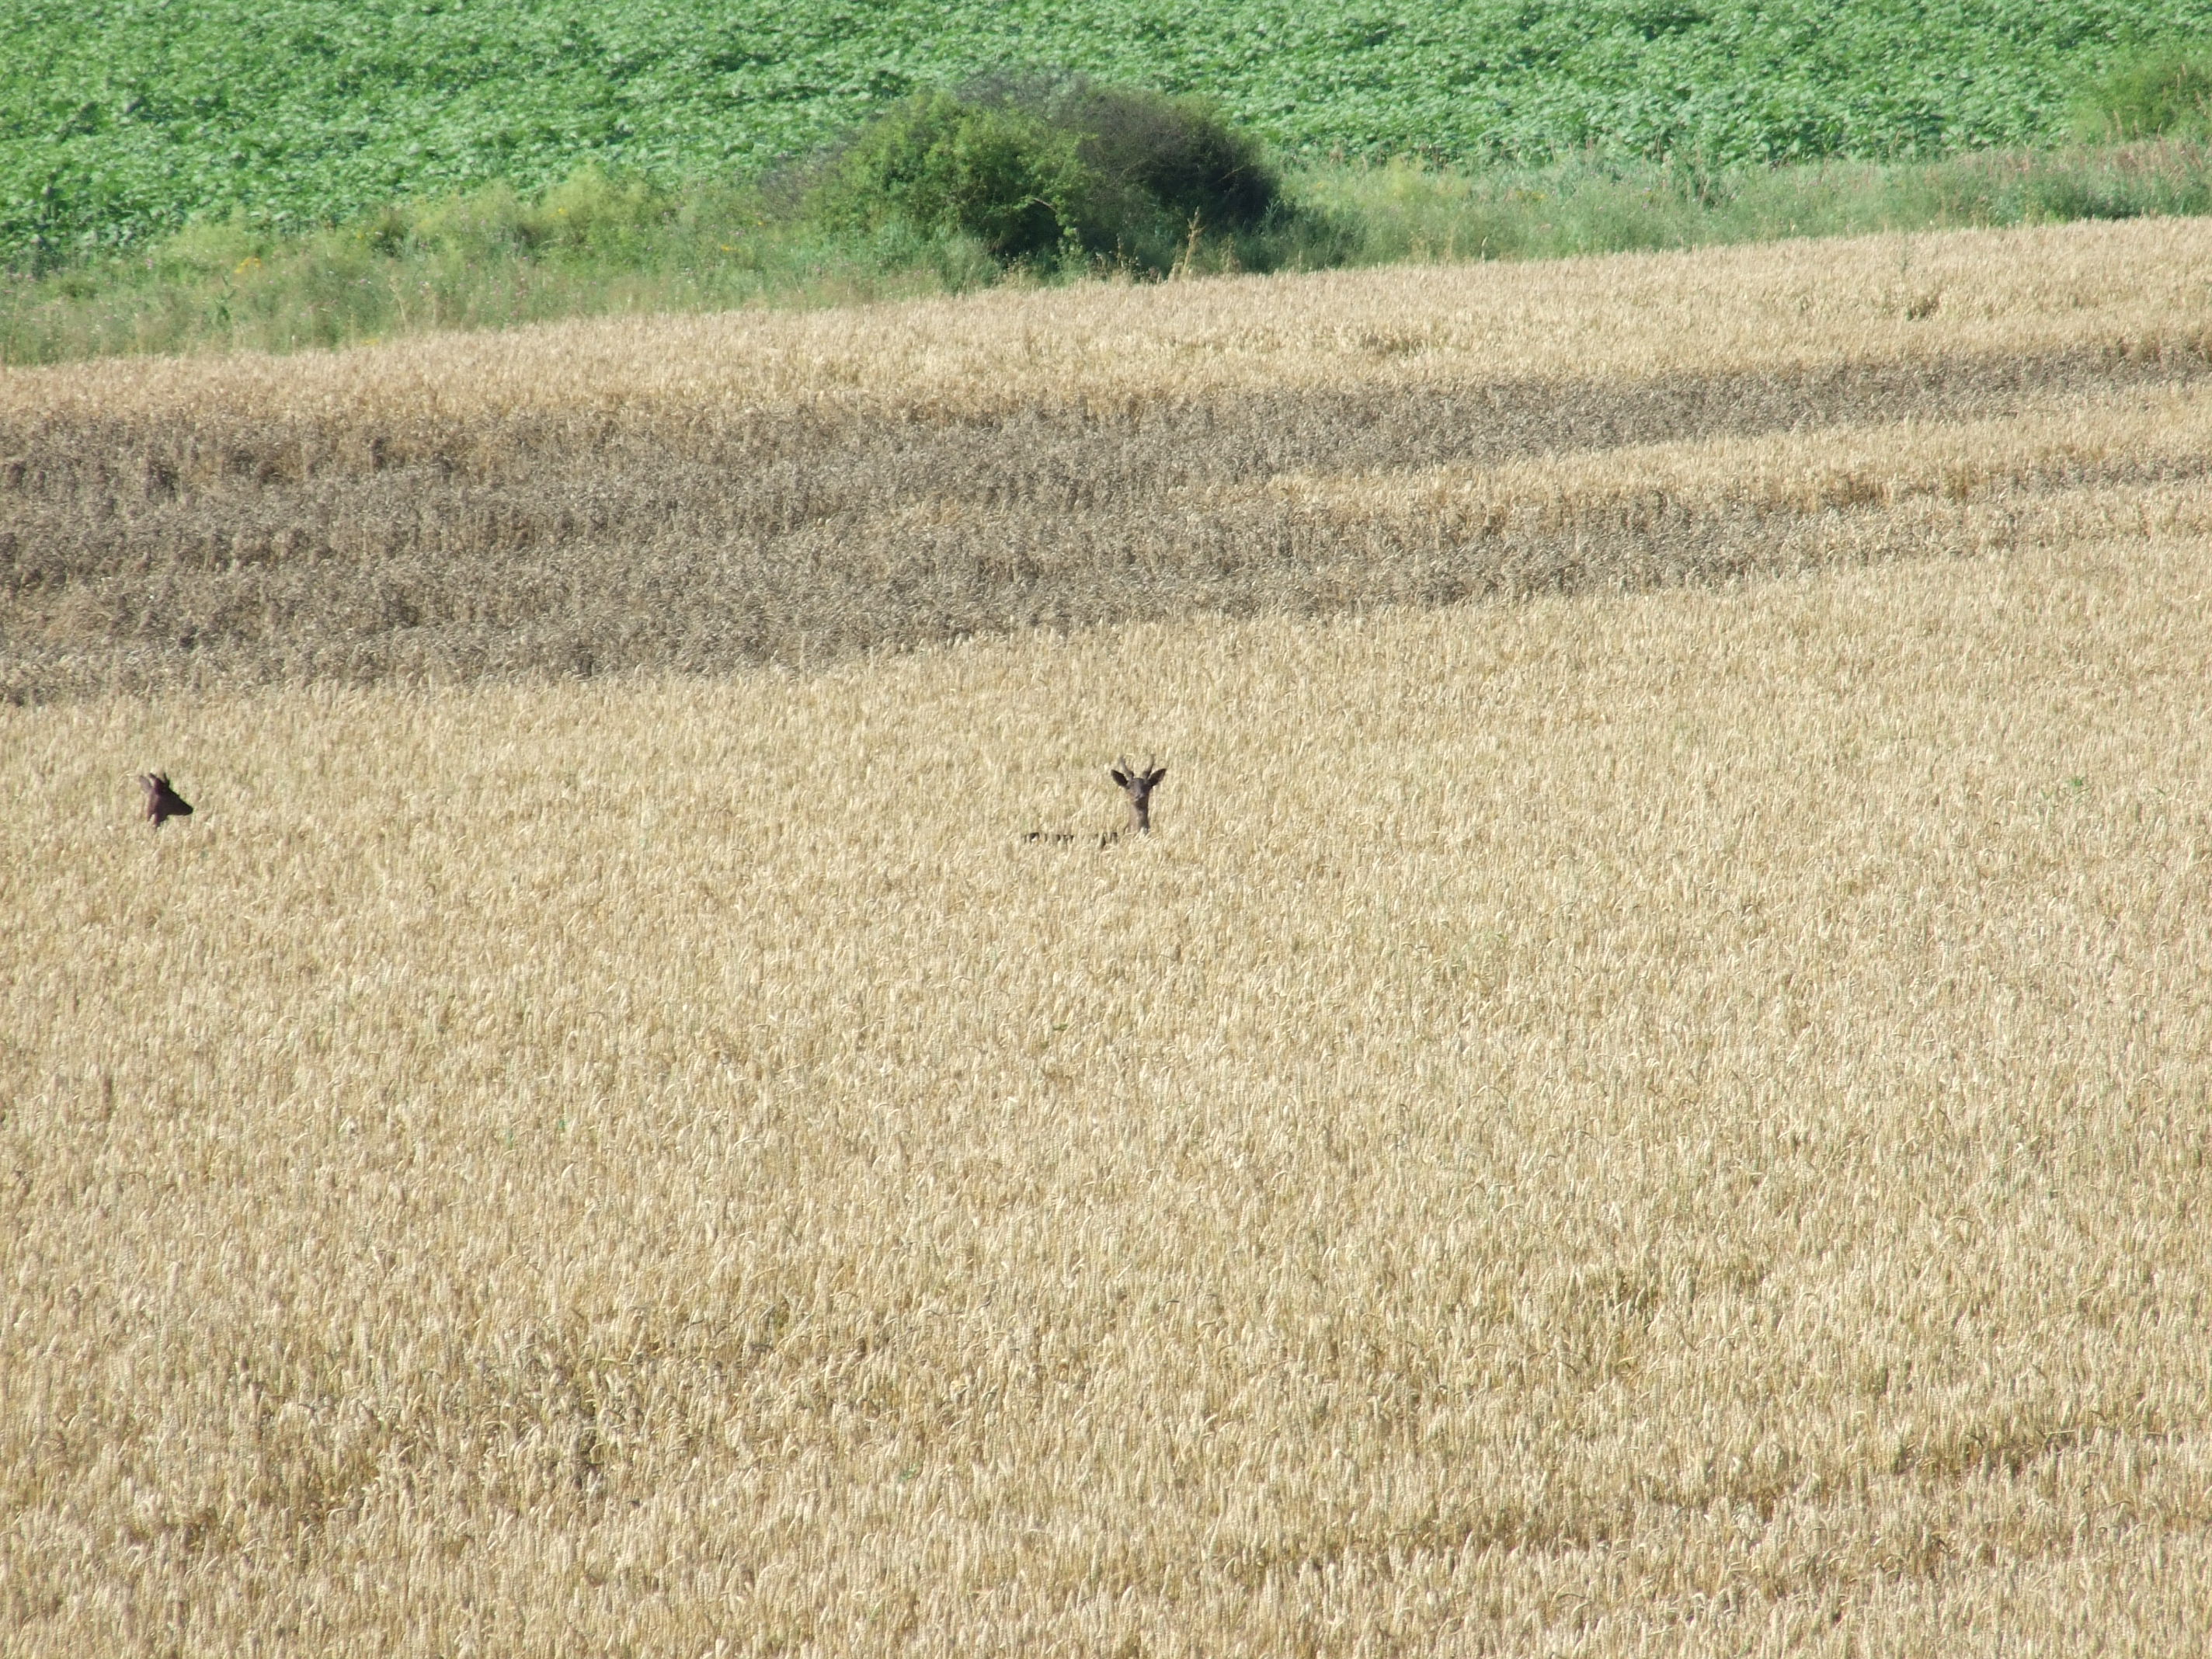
{"x": 121, "y": 120}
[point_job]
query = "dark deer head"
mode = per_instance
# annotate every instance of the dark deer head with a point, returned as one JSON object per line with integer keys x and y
{"x": 162, "y": 803}
{"x": 1138, "y": 786}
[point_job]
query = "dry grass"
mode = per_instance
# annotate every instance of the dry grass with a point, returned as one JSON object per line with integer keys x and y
{"x": 702, "y": 494}
{"x": 1672, "y": 1123}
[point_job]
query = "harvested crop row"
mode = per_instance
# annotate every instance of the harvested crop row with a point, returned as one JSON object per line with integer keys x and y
{"x": 899, "y": 539}
{"x": 1786, "y": 473}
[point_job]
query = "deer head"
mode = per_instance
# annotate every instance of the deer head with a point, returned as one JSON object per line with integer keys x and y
{"x": 1138, "y": 786}
{"x": 162, "y": 803}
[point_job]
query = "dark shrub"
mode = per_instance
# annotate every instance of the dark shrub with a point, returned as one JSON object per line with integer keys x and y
{"x": 1173, "y": 159}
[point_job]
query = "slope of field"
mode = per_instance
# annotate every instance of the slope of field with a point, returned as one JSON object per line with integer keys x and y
{"x": 1672, "y": 1123}
{"x": 1666, "y": 1115}
{"x": 122, "y": 119}
{"x": 705, "y": 493}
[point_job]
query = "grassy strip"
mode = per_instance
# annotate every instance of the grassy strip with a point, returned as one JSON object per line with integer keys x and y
{"x": 1403, "y": 211}
{"x": 490, "y": 258}
{"x": 594, "y": 246}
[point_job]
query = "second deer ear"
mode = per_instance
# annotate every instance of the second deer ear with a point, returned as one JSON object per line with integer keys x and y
{"x": 1153, "y": 781}
{"x": 1119, "y": 777}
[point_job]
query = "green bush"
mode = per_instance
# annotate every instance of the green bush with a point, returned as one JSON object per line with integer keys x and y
{"x": 2168, "y": 93}
{"x": 1043, "y": 172}
{"x": 953, "y": 167}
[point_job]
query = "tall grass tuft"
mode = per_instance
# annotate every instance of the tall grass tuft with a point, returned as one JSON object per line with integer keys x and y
{"x": 2166, "y": 92}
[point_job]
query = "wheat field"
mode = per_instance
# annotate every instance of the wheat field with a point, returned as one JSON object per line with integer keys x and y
{"x": 1663, "y": 1113}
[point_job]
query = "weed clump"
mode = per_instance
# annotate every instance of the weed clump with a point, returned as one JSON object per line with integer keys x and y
{"x": 2166, "y": 94}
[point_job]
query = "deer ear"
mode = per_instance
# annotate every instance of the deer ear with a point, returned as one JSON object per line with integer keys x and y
{"x": 1156, "y": 777}
{"x": 1119, "y": 777}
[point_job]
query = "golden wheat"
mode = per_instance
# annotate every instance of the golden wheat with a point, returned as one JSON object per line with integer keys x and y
{"x": 1672, "y": 1123}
